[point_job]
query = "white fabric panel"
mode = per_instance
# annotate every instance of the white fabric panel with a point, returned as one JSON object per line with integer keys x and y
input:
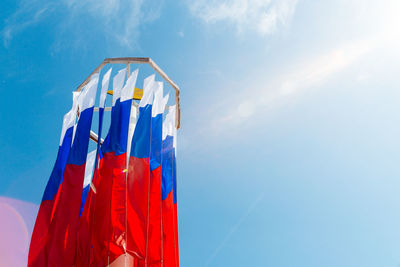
{"x": 173, "y": 123}
{"x": 169, "y": 123}
{"x": 90, "y": 159}
{"x": 158, "y": 103}
{"x": 165, "y": 101}
{"x": 70, "y": 116}
{"x": 75, "y": 97}
{"x": 132, "y": 126}
{"x": 148, "y": 91}
{"x": 118, "y": 83}
{"x": 127, "y": 91}
{"x": 88, "y": 94}
{"x": 104, "y": 88}
{"x": 73, "y": 135}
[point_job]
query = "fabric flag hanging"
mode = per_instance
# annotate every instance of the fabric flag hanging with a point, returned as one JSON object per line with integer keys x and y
{"x": 84, "y": 252}
{"x": 102, "y": 103}
{"x": 139, "y": 176}
{"x": 154, "y": 229}
{"x": 37, "y": 254}
{"x": 63, "y": 228}
{"x": 102, "y": 206}
{"x": 109, "y": 232}
{"x": 83, "y": 242}
{"x": 174, "y": 190}
{"x": 119, "y": 193}
{"x": 168, "y": 196}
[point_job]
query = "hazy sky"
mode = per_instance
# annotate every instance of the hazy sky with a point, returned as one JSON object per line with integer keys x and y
{"x": 288, "y": 153}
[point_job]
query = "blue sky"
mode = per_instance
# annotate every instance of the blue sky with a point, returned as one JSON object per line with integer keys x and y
{"x": 289, "y": 147}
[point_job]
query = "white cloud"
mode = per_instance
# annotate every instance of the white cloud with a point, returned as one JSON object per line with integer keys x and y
{"x": 302, "y": 75}
{"x": 28, "y": 13}
{"x": 258, "y": 94}
{"x": 118, "y": 19}
{"x": 262, "y": 16}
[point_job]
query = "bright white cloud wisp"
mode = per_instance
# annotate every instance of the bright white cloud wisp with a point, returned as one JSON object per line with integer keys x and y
{"x": 118, "y": 19}
{"x": 296, "y": 78}
{"x": 313, "y": 70}
{"x": 28, "y": 13}
{"x": 261, "y": 16}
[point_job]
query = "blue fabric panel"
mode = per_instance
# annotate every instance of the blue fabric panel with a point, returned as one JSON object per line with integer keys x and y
{"x": 166, "y": 167}
{"x": 118, "y": 133}
{"x": 58, "y": 170}
{"x": 156, "y": 140}
{"x": 141, "y": 137}
{"x": 106, "y": 144}
{"x": 78, "y": 153}
{"x": 175, "y": 199}
{"x": 85, "y": 193}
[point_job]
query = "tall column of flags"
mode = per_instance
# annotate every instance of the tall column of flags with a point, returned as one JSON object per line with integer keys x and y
{"x": 115, "y": 205}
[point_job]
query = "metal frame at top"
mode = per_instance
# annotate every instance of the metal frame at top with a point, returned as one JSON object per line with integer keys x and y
{"x": 141, "y": 60}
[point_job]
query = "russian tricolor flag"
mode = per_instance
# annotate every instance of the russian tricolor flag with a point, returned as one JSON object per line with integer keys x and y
{"x": 168, "y": 195}
{"x": 37, "y": 252}
{"x": 109, "y": 231}
{"x": 144, "y": 178}
{"x": 154, "y": 242}
{"x": 138, "y": 184}
{"x": 84, "y": 251}
{"x": 64, "y": 226}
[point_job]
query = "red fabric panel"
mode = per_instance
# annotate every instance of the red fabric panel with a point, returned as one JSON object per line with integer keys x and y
{"x": 154, "y": 249}
{"x": 102, "y": 225}
{"x": 101, "y": 213}
{"x": 64, "y": 227}
{"x": 37, "y": 254}
{"x": 108, "y": 236}
{"x": 84, "y": 250}
{"x": 137, "y": 205}
{"x": 168, "y": 227}
{"x": 118, "y": 207}
{"x": 176, "y": 239}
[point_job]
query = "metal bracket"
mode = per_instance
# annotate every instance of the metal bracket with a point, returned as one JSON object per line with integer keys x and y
{"x": 94, "y": 137}
{"x": 141, "y": 60}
